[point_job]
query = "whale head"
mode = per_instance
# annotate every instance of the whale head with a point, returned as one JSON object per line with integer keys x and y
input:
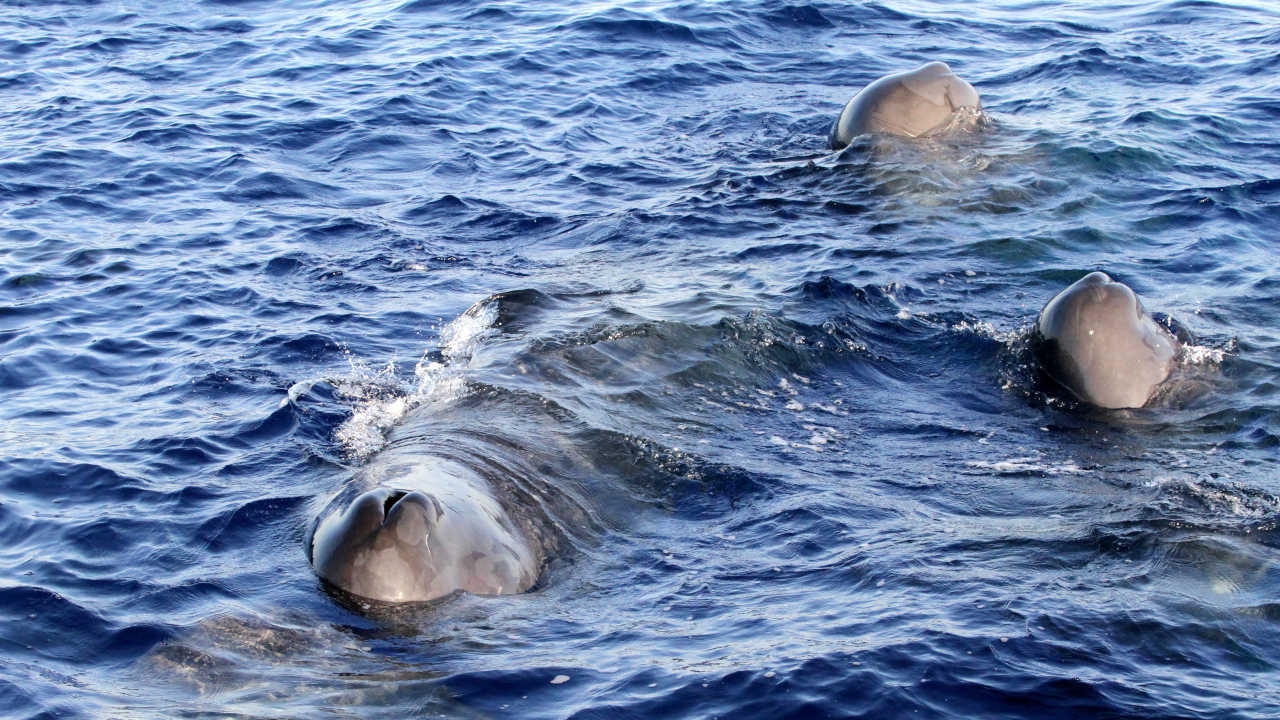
{"x": 397, "y": 546}
{"x": 1095, "y": 339}
{"x": 916, "y": 103}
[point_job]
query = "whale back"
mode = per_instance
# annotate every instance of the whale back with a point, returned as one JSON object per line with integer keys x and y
{"x": 1095, "y": 339}
{"x": 428, "y": 528}
{"x": 915, "y": 103}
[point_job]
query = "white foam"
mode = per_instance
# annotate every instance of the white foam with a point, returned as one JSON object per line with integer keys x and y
{"x": 831, "y": 409}
{"x": 1201, "y": 355}
{"x": 1020, "y": 465}
{"x": 380, "y": 400}
{"x": 362, "y": 434}
{"x": 987, "y": 330}
{"x": 1223, "y": 499}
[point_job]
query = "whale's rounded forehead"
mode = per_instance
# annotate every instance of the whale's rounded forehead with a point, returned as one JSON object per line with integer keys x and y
{"x": 1091, "y": 303}
{"x": 1103, "y": 283}
{"x": 937, "y": 85}
{"x": 1095, "y": 339}
{"x": 919, "y": 102}
{"x": 1098, "y": 288}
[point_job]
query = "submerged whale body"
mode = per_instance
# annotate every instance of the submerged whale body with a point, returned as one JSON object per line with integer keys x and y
{"x": 916, "y": 103}
{"x": 414, "y": 528}
{"x": 1095, "y": 339}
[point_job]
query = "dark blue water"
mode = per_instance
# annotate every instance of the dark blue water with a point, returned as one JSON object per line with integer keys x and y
{"x": 776, "y": 399}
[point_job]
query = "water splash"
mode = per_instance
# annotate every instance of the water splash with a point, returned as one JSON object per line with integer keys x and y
{"x": 1035, "y": 466}
{"x": 1202, "y": 355}
{"x": 380, "y": 400}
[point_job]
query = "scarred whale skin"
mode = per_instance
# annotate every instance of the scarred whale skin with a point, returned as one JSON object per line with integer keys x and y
{"x": 916, "y": 103}
{"x": 1095, "y": 339}
{"x": 429, "y": 527}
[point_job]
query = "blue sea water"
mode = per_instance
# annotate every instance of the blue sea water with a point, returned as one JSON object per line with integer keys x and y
{"x": 777, "y": 399}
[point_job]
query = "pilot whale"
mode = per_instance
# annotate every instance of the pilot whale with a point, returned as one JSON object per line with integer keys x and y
{"x": 1095, "y": 339}
{"x": 413, "y": 528}
{"x": 916, "y": 103}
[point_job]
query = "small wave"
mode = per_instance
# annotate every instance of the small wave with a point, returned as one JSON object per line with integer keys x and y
{"x": 622, "y": 26}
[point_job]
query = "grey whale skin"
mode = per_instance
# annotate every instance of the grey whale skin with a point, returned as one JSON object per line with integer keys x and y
{"x": 915, "y": 103}
{"x": 414, "y": 528}
{"x": 1095, "y": 339}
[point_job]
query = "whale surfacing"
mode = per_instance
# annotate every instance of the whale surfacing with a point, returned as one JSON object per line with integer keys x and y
{"x": 1095, "y": 339}
{"x": 916, "y": 103}
{"x": 428, "y": 527}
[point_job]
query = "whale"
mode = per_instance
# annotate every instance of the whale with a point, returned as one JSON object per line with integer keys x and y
{"x": 413, "y": 528}
{"x": 917, "y": 103}
{"x": 1095, "y": 340}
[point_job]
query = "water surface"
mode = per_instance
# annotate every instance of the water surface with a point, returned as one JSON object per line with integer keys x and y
{"x": 778, "y": 396}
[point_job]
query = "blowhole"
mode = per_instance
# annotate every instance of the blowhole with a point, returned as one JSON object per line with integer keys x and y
{"x": 393, "y": 497}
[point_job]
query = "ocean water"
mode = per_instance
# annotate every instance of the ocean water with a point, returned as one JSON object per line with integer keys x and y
{"x": 775, "y": 400}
